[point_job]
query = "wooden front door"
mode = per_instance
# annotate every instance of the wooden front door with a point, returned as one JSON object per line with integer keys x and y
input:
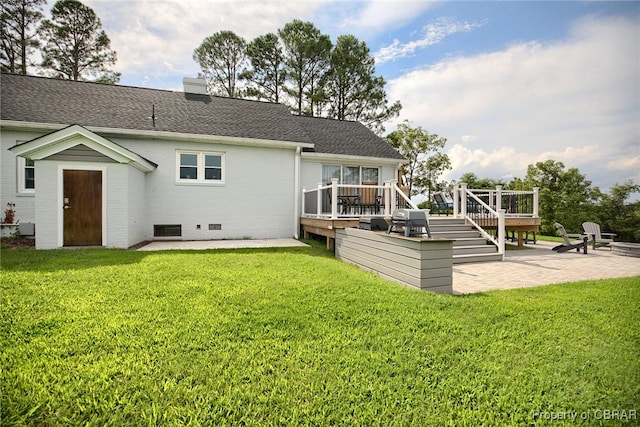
{"x": 82, "y": 208}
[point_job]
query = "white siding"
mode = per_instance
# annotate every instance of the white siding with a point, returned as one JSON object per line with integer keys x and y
{"x": 47, "y": 204}
{"x": 25, "y": 202}
{"x": 136, "y": 207}
{"x": 255, "y": 201}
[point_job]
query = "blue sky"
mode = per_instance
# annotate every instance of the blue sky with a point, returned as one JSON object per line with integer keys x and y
{"x": 508, "y": 83}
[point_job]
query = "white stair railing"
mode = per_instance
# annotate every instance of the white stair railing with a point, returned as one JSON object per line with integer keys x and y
{"x": 469, "y": 206}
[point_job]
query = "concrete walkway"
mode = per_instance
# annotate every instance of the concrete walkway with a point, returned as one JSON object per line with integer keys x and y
{"x": 542, "y": 266}
{"x": 220, "y": 244}
{"x": 536, "y": 266}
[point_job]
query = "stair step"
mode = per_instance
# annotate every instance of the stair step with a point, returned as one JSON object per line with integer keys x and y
{"x": 464, "y": 259}
{"x": 470, "y": 241}
{"x": 468, "y": 244}
{"x": 481, "y": 249}
{"x": 456, "y": 234}
{"x": 449, "y": 227}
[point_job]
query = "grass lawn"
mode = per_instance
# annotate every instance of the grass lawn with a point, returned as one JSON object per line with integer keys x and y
{"x": 294, "y": 337}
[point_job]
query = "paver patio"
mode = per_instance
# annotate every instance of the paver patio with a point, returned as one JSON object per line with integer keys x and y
{"x": 542, "y": 266}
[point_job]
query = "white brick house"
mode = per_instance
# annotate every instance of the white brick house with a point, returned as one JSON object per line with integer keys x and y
{"x": 108, "y": 165}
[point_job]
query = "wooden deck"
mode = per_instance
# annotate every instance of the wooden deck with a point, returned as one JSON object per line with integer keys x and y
{"x": 327, "y": 227}
{"x": 521, "y": 225}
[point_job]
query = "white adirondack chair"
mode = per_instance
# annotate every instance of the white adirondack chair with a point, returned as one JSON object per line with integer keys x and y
{"x": 598, "y": 238}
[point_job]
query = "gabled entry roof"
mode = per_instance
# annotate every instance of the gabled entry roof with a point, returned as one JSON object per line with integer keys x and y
{"x": 74, "y": 136}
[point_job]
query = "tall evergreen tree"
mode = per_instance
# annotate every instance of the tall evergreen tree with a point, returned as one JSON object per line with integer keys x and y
{"x": 306, "y": 60}
{"x": 19, "y": 21}
{"x": 352, "y": 90}
{"x": 222, "y": 57}
{"x": 76, "y": 47}
{"x": 266, "y": 76}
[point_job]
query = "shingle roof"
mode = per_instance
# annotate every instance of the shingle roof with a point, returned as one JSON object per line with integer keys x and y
{"x": 44, "y": 100}
{"x": 345, "y": 137}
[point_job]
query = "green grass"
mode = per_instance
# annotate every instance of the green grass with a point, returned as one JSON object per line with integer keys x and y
{"x": 295, "y": 337}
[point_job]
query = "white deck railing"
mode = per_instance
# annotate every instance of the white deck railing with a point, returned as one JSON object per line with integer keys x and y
{"x": 487, "y": 210}
{"x": 353, "y": 201}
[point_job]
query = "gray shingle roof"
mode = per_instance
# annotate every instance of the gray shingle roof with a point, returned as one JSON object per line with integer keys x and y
{"x": 44, "y": 100}
{"x": 345, "y": 137}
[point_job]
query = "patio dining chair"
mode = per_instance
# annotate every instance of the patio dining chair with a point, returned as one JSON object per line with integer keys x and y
{"x": 598, "y": 238}
{"x": 567, "y": 243}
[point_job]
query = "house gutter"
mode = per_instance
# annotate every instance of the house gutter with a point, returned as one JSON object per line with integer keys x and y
{"x": 160, "y": 135}
{"x": 296, "y": 193}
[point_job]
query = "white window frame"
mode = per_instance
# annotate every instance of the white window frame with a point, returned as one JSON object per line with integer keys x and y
{"x": 22, "y": 165}
{"x": 200, "y": 174}
{"x": 342, "y": 174}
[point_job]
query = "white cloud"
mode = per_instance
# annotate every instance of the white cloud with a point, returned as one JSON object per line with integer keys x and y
{"x": 157, "y": 38}
{"x": 433, "y": 33}
{"x": 381, "y": 15}
{"x": 576, "y": 101}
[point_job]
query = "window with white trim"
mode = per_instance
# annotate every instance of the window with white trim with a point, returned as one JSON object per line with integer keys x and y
{"x": 26, "y": 175}
{"x": 199, "y": 167}
{"x": 352, "y": 175}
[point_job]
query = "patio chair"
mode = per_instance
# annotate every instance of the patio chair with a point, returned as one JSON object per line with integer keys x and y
{"x": 443, "y": 203}
{"x": 370, "y": 199}
{"x": 592, "y": 230}
{"x": 567, "y": 244}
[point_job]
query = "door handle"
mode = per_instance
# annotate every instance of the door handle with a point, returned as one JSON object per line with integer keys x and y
{"x": 67, "y": 206}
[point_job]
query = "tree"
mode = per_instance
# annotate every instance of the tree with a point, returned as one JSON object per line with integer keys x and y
{"x": 19, "y": 21}
{"x": 222, "y": 57}
{"x": 565, "y": 195}
{"x": 76, "y": 47}
{"x": 421, "y": 148}
{"x": 306, "y": 60}
{"x": 352, "y": 90}
{"x": 266, "y": 76}
{"x": 473, "y": 182}
{"x": 615, "y": 215}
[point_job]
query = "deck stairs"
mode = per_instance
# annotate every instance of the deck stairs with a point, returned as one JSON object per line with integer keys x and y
{"x": 468, "y": 244}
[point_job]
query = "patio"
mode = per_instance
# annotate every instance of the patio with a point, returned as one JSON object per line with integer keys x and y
{"x": 537, "y": 265}
{"x": 541, "y": 266}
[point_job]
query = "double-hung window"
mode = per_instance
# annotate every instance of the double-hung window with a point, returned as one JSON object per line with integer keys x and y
{"x": 199, "y": 167}
{"x": 26, "y": 175}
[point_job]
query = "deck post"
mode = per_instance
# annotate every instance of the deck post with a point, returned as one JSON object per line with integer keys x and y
{"x": 501, "y": 232}
{"x": 463, "y": 199}
{"x": 456, "y": 201}
{"x": 386, "y": 196}
{"x": 334, "y": 198}
{"x": 535, "y": 201}
{"x": 498, "y": 204}
{"x": 394, "y": 196}
{"x": 319, "y": 201}
{"x": 302, "y": 207}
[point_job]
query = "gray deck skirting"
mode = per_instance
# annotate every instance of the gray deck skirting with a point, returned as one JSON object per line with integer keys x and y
{"x": 423, "y": 263}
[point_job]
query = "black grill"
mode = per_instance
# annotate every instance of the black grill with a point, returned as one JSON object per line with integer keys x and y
{"x": 412, "y": 221}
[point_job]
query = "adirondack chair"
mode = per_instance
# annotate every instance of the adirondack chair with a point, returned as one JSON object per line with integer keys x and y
{"x": 592, "y": 230}
{"x": 443, "y": 202}
{"x": 567, "y": 243}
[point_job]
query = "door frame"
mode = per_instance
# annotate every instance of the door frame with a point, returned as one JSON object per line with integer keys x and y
{"x": 60, "y": 201}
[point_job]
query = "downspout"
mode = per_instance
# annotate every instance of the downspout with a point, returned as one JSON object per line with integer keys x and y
{"x": 296, "y": 192}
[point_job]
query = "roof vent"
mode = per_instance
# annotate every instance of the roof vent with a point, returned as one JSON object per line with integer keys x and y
{"x": 197, "y": 85}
